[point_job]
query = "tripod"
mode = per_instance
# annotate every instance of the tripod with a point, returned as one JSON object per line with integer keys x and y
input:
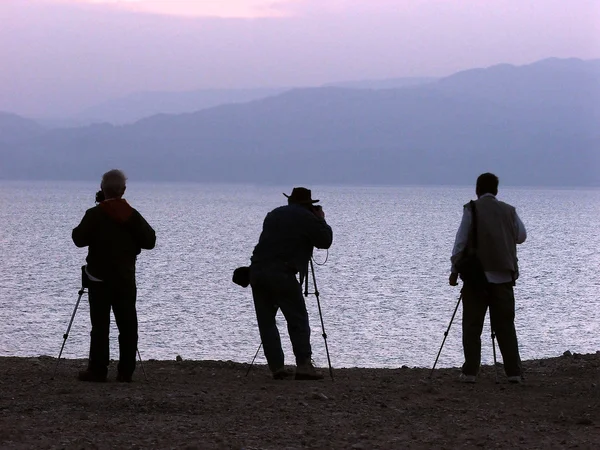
{"x": 493, "y": 335}
{"x": 84, "y": 284}
{"x": 446, "y": 335}
{"x": 66, "y": 335}
{"x": 316, "y": 293}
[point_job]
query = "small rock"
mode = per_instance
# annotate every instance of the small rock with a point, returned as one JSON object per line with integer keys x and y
{"x": 319, "y": 396}
{"x": 178, "y": 358}
{"x": 568, "y": 353}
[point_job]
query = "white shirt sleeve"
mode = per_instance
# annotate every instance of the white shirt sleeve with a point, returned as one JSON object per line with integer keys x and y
{"x": 521, "y": 231}
{"x": 462, "y": 235}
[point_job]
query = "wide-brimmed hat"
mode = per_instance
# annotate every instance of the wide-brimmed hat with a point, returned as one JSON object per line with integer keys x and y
{"x": 301, "y": 195}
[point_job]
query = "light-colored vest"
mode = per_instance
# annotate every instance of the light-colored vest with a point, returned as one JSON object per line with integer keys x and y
{"x": 496, "y": 235}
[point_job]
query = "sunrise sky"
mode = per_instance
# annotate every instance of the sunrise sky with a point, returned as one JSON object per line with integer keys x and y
{"x": 60, "y": 56}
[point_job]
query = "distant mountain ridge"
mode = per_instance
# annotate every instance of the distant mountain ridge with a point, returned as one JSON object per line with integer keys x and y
{"x": 14, "y": 128}
{"x": 532, "y": 125}
{"x": 136, "y": 106}
{"x": 139, "y": 105}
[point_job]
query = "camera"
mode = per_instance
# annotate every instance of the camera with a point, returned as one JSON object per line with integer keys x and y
{"x": 317, "y": 210}
{"x": 100, "y": 196}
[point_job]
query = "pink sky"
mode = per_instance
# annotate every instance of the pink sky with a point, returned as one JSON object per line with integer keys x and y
{"x": 60, "y": 56}
{"x": 195, "y": 8}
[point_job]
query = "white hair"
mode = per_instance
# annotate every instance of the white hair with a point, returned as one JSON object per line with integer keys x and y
{"x": 113, "y": 183}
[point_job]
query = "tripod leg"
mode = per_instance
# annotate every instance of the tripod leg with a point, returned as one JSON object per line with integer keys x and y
{"x": 142, "y": 364}
{"x": 445, "y": 335}
{"x": 252, "y": 363}
{"x": 494, "y": 350}
{"x": 66, "y": 335}
{"x": 312, "y": 268}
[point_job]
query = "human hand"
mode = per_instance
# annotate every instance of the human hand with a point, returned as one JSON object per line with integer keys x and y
{"x": 318, "y": 210}
{"x": 453, "y": 280}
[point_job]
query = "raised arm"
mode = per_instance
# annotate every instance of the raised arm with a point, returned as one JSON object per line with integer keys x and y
{"x": 143, "y": 232}
{"x": 82, "y": 233}
{"x": 320, "y": 233}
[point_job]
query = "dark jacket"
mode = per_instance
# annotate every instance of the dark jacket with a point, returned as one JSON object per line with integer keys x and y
{"x": 289, "y": 234}
{"x": 115, "y": 234}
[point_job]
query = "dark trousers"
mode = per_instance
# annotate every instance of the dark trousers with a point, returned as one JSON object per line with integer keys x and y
{"x": 121, "y": 298}
{"x": 272, "y": 289}
{"x": 501, "y": 301}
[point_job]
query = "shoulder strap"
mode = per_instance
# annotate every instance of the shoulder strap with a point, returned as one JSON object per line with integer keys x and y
{"x": 473, "y": 223}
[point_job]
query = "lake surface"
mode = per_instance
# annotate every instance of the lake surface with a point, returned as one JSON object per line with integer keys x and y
{"x": 383, "y": 289}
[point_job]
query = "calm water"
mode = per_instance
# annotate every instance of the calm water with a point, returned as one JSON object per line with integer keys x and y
{"x": 384, "y": 289}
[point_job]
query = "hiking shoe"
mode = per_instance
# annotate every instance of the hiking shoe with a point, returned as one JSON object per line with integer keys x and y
{"x": 122, "y": 378}
{"x": 464, "y": 378}
{"x": 282, "y": 373}
{"x": 515, "y": 379}
{"x": 88, "y": 375}
{"x": 307, "y": 371}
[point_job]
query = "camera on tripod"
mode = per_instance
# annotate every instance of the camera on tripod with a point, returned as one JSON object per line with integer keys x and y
{"x": 100, "y": 196}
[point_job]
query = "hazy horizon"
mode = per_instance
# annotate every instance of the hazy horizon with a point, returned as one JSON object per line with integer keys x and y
{"x": 62, "y": 56}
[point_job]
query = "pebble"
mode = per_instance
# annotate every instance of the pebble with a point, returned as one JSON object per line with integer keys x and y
{"x": 178, "y": 358}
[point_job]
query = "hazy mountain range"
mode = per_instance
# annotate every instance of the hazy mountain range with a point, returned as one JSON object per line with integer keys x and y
{"x": 532, "y": 125}
{"x": 136, "y": 106}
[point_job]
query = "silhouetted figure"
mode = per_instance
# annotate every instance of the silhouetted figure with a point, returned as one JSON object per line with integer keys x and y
{"x": 115, "y": 234}
{"x": 283, "y": 251}
{"x": 499, "y": 230}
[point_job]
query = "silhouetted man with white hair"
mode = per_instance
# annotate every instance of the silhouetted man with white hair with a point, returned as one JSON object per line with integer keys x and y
{"x": 115, "y": 234}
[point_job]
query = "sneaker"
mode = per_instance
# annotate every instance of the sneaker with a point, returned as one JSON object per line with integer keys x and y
{"x": 88, "y": 375}
{"x": 307, "y": 371}
{"x": 515, "y": 379}
{"x": 464, "y": 378}
{"x": 282, "y": 373}
{"x": 122, "y": 378}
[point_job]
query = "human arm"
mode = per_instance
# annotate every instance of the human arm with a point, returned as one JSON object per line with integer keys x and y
{"x": 321, "y": 234}
{"x": 521, "y": 231}
{"x": 143, "y": 232}
{"x": 462, "y": 238}
{"x": 82, "y": 233}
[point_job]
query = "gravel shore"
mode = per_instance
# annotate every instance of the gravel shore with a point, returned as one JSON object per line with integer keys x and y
{"x": 212, "y": 405}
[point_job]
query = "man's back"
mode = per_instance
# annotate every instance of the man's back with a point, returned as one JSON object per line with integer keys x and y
{"x": 115, "y": 233}
{"x": 289, "y": 234}
{"x": 497, "y": 231}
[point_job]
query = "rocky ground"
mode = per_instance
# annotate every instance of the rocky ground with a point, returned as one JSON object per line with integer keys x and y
{"x": 205, "y": 404}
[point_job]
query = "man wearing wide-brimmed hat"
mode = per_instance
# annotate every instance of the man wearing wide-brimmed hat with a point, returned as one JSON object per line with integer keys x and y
{"x": 284, "y": 249}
